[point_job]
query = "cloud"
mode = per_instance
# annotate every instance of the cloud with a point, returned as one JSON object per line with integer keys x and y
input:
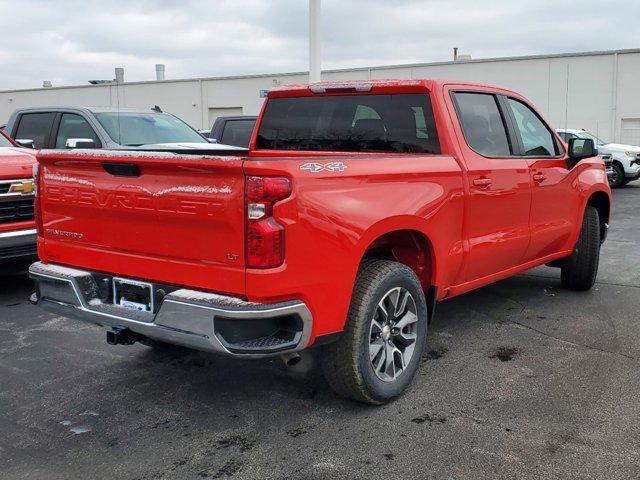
{"x": 71, "y": 41}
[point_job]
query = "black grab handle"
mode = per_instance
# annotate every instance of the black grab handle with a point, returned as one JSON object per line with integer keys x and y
{"x": 122, "y": 169}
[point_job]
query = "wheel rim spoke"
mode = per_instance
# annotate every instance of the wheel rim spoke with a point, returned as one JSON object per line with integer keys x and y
{"x": 375, "y": 348}
{"x": 407, "y": 319}
{"x": 389, "y": 362}
{"x": 403, "y": 298}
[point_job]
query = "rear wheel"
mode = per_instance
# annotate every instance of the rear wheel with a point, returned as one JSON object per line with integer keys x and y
{"x": 384, "y": 338}
{"x": 582, "y": 268}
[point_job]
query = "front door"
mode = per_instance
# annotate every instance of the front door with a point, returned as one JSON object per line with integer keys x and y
{"x": 553, "y": 212}
{"x": 499, "y": 200}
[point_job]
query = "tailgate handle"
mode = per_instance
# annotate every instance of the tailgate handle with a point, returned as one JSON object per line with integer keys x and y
{"x": 122, "y": 169}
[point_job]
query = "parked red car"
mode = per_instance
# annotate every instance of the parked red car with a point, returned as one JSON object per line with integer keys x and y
{"x": 17, "y": 227}
{"x": 359, "y": 206}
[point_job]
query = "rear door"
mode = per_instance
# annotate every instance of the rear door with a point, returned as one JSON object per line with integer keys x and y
{"x": 499, "y": 185}
{"x": 555, "y": 197}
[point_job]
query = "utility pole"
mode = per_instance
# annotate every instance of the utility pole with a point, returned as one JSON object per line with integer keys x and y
{"x": 314, "y": 41}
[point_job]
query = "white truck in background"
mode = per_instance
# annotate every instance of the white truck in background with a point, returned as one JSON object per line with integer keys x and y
{"x": 626, "y": 158}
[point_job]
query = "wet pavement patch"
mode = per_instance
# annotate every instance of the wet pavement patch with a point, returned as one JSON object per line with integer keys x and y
{"x": 504, "y": 354}
{"x": 435, "y": 354}
{"x": 244, "y": 444}
{"x": 429, "y": 417}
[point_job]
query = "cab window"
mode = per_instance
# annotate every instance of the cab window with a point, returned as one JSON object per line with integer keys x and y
{"x": 482, "y": 124}
{"x": 74, "y": 126}
{"x": 36, "y": 127}
{"x": 537, "y": 139}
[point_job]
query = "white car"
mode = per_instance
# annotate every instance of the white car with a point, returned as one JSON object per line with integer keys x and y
{"x": 626, "y": 158}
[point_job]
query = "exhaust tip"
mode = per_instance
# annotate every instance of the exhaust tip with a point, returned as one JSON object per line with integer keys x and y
{"x": 301, "y": 363}
{"x": 293, "y": 360}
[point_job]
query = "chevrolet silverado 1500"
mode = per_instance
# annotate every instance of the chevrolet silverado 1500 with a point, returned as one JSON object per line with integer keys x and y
{"x": 358, "y": 207}
{"x": 17, "y": 227}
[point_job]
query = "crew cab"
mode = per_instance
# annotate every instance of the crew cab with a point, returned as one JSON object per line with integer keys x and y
{"x": 17, "y": 227}
{"x": 358, "y": 207}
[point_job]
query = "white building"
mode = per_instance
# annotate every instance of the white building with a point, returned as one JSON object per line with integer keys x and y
{"x": 597, "y": 91}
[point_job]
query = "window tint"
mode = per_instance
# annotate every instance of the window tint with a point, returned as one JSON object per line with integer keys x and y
{"x": 237, "y": 132}
{"x": 373, "y": 123}
{"x": 136, "y": 129}
{"x": 536, "y": 136}
{"x": 74, "y": 126}
{"x": 36, "y": 127}
{"x": 482, "y": 124}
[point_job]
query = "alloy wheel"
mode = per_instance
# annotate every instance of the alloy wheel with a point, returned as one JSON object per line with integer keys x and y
{"x": 393, "y": 334}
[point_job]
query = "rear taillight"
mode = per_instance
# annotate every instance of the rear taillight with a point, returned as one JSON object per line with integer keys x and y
{"x": 37, "y": 209}
{"x": 265, "y": 236}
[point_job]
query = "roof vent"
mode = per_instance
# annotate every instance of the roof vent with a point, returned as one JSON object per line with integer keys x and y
{"x": 119, "y": 75}
{"x": 159, "y": 72}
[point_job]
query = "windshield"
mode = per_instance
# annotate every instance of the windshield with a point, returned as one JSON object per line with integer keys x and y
{"x": 136, "y": 129}
{"x": 4, "y": 142}
{"x": 595, "y": 139}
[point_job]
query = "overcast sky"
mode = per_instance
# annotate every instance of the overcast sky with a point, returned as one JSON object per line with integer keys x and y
{"x": 71, "y": 41}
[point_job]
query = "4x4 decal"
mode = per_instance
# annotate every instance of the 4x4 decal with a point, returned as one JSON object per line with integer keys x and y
{"x": 322, "y": 167}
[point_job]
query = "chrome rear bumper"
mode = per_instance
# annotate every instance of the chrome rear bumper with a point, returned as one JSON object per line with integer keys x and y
{"x": 194, "y": 319}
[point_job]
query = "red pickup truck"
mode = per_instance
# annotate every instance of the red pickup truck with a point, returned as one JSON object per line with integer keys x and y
{"x": 17, "y": 227}
{"x": 358, "y": 206}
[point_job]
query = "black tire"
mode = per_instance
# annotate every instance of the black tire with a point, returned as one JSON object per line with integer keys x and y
{"x": 347, "y": 365}
{"x": 582, "y": 268}
{"x": 618, "y": 178}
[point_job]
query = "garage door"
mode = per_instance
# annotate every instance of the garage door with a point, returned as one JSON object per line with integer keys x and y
{"x": 630, "y": 134}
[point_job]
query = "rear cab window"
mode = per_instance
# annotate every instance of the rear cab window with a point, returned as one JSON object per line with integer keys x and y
{"x": 402, "y": 123}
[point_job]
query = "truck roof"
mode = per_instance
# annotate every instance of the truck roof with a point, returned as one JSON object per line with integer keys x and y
{"x": 87, "y": 109}
{"x": 383, "y": 85}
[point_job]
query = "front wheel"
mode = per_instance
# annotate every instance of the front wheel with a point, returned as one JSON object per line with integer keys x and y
{"x": 580, "y": 273}
{"x": 385, "y": 334}
{"x": 618, "y": 178}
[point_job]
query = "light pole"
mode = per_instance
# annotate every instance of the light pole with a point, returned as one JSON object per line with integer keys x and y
{"x": 314, "y": 41}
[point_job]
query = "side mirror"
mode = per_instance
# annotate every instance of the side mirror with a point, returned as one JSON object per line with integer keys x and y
{"x": 580, "y": 148}
{"x": 212, "y": 140}
{"x": 79, "y": 143}
{"x": 25, "y": 142}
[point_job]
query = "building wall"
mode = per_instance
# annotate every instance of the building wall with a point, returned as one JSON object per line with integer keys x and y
{"x": 595, "y": 91}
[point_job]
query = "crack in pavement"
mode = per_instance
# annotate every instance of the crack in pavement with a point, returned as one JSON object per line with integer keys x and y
{"x": 597, "y": 282}
{"x": 569, "y": 342}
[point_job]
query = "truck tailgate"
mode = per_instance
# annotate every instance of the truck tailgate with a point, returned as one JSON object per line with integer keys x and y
{"x": 163, "y": 217}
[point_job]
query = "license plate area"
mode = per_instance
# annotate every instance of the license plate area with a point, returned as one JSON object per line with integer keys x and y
{"x": 133, "y": 295}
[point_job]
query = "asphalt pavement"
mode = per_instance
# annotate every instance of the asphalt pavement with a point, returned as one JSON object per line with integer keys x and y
{"x": 522, "y": 380}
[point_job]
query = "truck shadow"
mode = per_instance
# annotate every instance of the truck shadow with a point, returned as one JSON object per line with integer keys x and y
{"x": 15, "y": 283}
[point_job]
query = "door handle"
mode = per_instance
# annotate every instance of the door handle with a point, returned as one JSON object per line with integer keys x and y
{"x": 482, "y": 182}
{"x": 539, "y": 177}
